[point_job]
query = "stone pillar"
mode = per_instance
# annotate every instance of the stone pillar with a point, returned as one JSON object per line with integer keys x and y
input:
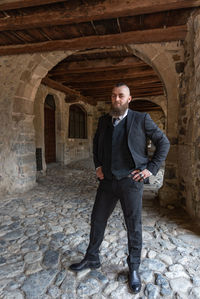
{"x": 189, "y": 123}
{"x": 60, "y": 129}
{"x": 23, "y": 149}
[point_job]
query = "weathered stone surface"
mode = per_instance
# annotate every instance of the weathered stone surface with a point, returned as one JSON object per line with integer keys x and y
{"x": 14, "y": 295}
{"x": 111, "y": 287}
{"x": 146, "y": 276}
{"x": 191, "y": 239}
{"x": 153, "y": 264}
{"x": 180, "y": 284}
{"x": 51, "y": 259}
{"x": 11, "y": 270}
{"x": 166, "y": 259}
{"x": 88, "y": 287}
{"x": 14, "y": 235}
{"x": 33, "y": 257}
{"x": 151, "y": 291}
{"x": 42, "y": 280}
{"x": 68, "y": 286}
{"x": 29, "y": 245}
{"x": 195, "y": 293}
{"x": 60, "y": 277}
{"x": 54, "y": 292}
{"x": 33, "y": 268}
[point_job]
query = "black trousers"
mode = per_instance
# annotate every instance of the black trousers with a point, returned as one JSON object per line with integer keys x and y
{"x": 109, "y": 192}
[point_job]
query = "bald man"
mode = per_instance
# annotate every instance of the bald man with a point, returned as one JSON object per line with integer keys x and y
{"x": 122, "y": 165}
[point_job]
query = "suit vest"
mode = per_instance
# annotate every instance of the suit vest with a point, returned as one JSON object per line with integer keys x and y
{"x": 117, "y": 159}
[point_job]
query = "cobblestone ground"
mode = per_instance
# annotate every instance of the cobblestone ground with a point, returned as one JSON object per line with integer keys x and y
{"x": 46, "y": 229}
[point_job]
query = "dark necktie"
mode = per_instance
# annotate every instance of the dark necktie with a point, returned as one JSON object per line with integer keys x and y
{"x": 114, "y": 121}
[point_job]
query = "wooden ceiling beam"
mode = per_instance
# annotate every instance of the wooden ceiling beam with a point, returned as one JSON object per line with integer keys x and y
{"x": 105, "y": 76}
{"x": 86, "y": 12}
{"x": 103, "y": 69}
{"x": 97, "y": 65}
{"x": 15, "y": 4}
{"x": 110, "y": 83}
{"x": 68, "y": 91}
{"x": 133, "y": 88}
{"x": 131, "y": 68}
{"x": 134, "y": 37}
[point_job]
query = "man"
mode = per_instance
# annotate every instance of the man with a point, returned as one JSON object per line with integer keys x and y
{"x": 122, "y": 165}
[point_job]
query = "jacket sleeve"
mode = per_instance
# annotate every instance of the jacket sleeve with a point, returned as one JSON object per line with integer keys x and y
{"x": 97, "y": 163}
{"x": 160, "y": 141}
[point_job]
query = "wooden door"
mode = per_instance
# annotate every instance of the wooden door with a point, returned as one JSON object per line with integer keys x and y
{"x": 50, "y": 136}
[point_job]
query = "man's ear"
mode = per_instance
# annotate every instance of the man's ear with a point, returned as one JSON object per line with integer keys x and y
{"x": 130, "y": 99}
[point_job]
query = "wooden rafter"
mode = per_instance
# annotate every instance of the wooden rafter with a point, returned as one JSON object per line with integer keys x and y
{"x": 15, "y": 4}
{"x": 68, "y": 91}
{"x": 104, "y": 76}
{"x": 85, "y": 13}
{"x": 111, "y": 63}
{"x": 135, "y": 37}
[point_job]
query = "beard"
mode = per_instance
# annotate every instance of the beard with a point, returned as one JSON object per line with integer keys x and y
{"x": 117, "y": 111}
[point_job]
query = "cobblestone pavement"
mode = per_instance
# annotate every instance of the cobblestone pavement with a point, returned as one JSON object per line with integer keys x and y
{"x": 46, "y": 229}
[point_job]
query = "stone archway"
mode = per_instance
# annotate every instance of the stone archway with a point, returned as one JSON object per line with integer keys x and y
{"x": 20, "y": 78}
{"x": 160, "y": 57}
{"x": 161, "y": 101}
{"x": 155, "y": 110}
{"x": 36, "y": 68}
{"x": 38, "y": 121}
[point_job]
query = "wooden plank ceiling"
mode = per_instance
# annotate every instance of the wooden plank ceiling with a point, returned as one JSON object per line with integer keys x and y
{"x": 94, "y": 27}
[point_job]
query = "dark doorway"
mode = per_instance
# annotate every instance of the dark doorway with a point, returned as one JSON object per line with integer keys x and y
{"x": 49, "y": 129}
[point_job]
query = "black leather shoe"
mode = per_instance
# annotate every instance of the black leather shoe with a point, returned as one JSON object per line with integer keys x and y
{"x": 85, "y": 264}
{"x": 134, "y": 281}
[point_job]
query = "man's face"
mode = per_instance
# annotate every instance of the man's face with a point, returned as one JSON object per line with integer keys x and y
{"x": 120, "y": 99}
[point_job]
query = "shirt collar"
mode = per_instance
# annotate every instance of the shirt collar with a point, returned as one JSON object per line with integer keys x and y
{"x": 124, "y": 115}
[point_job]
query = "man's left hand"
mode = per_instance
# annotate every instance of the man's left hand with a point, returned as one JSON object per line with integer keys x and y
{"x": 140, "y": 176}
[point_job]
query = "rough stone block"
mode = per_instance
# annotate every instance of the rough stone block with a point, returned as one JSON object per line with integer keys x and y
{"x": 23, "y": 106}
{"x": 28, "y": 159}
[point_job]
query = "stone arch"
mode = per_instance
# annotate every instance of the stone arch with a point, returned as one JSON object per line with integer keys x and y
{"x": 161, "y": 104}
{"x": 159, "y": 56}
{"x": 158, "y": 116}
{"x": 161, "y": 61}
{"x": 30, "y": 79}
{"x": 153, "y": 54}
{"x": 38, "y": 122}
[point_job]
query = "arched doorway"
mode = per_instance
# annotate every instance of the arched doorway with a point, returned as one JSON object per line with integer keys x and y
{"x": 49, "y": 129}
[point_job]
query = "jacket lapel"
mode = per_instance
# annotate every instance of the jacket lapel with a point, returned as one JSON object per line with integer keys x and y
{"x": 130, "y": 120}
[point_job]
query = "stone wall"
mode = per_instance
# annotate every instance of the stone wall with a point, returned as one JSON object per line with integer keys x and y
{"x": 189, "y": 122}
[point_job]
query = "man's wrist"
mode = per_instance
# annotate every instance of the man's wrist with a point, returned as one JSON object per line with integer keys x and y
{"x": 98, "y": 167}
{"x": 150, "y": 173}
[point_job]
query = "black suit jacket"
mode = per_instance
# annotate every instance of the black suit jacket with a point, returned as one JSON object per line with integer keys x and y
{"x": 140, "y": 127}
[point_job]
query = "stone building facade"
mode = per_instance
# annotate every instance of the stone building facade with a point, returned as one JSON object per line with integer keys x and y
{"x": 22, "y": 98}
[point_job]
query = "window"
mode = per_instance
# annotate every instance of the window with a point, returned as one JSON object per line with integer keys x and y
{"x": 77, "y": 122}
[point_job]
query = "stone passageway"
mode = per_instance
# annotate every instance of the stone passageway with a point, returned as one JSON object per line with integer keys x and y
{"x": 46, "y": 229}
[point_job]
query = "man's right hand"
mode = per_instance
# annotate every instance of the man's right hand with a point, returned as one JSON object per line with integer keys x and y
{"x": 99, "y": 173}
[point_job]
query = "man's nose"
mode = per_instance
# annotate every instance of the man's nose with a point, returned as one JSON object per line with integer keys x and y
{"x": 117, "y": 98}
